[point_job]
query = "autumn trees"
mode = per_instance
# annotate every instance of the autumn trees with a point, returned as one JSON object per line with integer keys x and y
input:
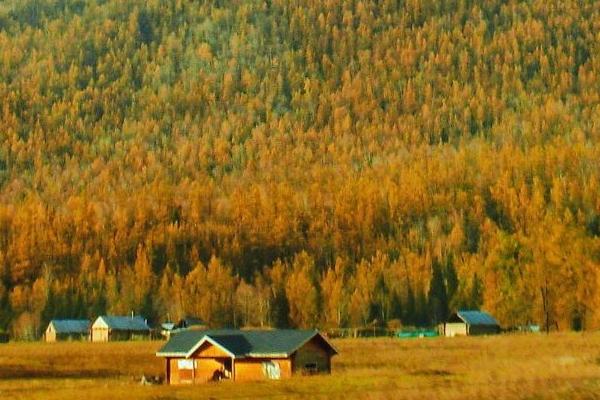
{"x": 316, "y": 163}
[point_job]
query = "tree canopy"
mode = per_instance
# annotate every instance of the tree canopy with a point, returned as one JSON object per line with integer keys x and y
{"x": 329, "y": 163}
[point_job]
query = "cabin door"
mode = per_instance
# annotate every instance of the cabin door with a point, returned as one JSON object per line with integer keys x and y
{"x": 227, "y": 368}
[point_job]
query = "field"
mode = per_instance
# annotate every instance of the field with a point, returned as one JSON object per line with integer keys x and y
{"x": 559, "y": 366}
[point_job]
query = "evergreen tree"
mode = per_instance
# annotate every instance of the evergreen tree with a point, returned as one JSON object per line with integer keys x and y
{"x": 280, "y": 310}
{"x": 410, "y": 311}
{"x": 437, "y": 296}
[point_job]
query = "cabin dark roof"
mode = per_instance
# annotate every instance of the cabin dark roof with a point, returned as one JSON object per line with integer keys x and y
{"x": 242, "y": 343}
{"x": 472, "y": 317}
{"x": 70, "y": 325}
{"x": 136, "y": 323}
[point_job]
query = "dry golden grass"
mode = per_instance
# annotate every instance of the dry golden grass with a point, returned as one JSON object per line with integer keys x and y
{"x": 560, "y": 366}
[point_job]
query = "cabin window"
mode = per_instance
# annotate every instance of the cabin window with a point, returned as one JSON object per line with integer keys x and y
{"x": 186, "y": 370}
{"x": 185, "y": 364}
{"x": 271, "y": 369}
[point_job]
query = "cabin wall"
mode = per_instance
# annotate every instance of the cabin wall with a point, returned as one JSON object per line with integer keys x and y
{"x": 483, "y": 330}
{"x": 178, "y": 376}
{"x": 455, "y": 329}
{"x": 202, "y": 370}
{"x": 255, "y": 369}
{"x": 206, "y": 369}
{"x": 100, "y": 335}
{"x": 116, "y": 336}
{"x": 210, "y": 361}
{"x": 110, "y": 335}
{"x": 66, "y": 337}
{"x": 312, "y": 357}
{"x": 193, "y": 370}
{"x": 50, "y": 335}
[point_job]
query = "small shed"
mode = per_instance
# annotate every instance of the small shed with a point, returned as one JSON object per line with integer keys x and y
{"x": 67, "y": 329}
{"x": 186, "y": 323}
{"x": 469, "y": 323}
{"x": 195, "y": 356}
{"x": 166, "y": 329}
{"x": 108, "y": 328}
{"x": 190, "y": 323}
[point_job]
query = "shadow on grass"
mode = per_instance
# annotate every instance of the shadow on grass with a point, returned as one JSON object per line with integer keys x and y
{"x": 431, "y": 372}
{"x": 21, "y": 372}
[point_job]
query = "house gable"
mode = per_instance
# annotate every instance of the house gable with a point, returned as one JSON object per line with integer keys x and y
{"x": 208, "y": 349}
{"x": 100, "y": 323}
{"x": 313, "y": 356}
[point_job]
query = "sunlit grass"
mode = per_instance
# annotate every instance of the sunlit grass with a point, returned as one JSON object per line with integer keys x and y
{"x": 560, "y": 366}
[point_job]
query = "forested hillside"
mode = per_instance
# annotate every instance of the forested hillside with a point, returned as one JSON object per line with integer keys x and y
{"x": 325, "y": 163}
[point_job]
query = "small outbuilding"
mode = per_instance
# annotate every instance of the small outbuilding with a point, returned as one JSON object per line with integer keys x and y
{"x": 470, "y": 323}
{"x": 114, "y": 328}
{"x": 244, "y": 355}
{"x": 67, "y": 329}
{"x": 186, "y": 323}
{"x": 190, "y": 323}
{"x": 166, "y": 329}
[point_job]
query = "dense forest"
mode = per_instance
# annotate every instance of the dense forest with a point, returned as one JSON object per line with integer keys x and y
{"x": 337, "y": 163}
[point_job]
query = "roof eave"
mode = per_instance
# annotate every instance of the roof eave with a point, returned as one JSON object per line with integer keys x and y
{"x": 267, "y": 355}
{"x": 169, "y": 354}
{"x": 316, "y": 333}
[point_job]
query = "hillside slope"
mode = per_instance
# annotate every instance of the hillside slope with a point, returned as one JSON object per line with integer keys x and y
{"x": 332, "y": 162}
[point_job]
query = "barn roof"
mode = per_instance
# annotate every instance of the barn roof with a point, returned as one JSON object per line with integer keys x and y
{"x": 119, "y": 323}
{"x": 70, "y": 325}
{"x": 242, "y": 343}
{"x": 473, "y": 317}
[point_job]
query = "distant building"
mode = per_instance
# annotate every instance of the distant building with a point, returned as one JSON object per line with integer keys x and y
{"x": 469, "y": 323}
{"x": 67, "y": 329}
{"x": 190, "y": 323}
{"x": 166, "y": 329}
{"x": 197, "y": 356}
{"x": 169, "y": 328}
{"x": 113, "y": 328}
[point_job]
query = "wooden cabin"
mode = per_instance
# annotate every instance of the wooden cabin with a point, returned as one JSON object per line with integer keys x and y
{"x": 67, "y": 329}
{"x": 469, "y": 323}
{"x": 114, "y": 328}
{"x": 201, "y": 356}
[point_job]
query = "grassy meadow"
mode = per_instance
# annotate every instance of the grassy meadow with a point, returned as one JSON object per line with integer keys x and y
{"x": 559, "y": 366}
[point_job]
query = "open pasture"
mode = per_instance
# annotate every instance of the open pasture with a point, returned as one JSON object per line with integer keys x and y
{"x": 559, "y": 366}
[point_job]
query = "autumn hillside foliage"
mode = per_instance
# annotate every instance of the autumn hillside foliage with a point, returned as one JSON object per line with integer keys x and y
{"x": 300, "y": 163}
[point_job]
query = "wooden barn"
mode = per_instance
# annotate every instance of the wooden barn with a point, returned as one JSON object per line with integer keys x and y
{"x": 201, "y": 356}
{"x": 67, "y": 329}
{"x": 468, "y": 323}
{"x": 113, "y": 328}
